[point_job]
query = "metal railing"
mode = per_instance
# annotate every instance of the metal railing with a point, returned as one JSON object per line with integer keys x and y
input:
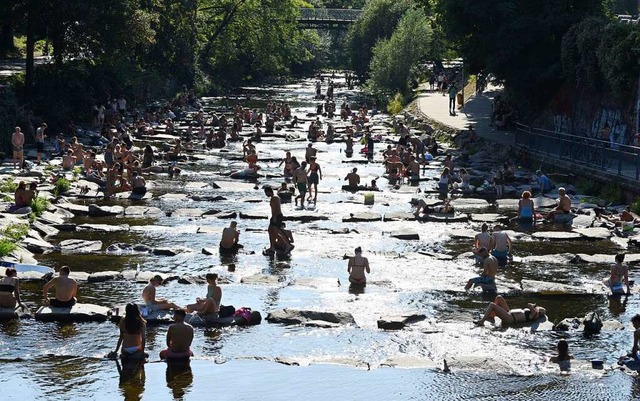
{"x": 329, "y": 14}
{"x": 593, "y": 154}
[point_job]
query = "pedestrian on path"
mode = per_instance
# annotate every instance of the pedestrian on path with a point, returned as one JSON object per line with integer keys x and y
{"x": 453, "y": 91}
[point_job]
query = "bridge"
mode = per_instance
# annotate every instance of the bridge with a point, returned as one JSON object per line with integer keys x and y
{"x": 327, "y": 18}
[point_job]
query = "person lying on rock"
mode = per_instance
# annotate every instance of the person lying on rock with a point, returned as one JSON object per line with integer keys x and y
{"x": 66, "y": 289}
{"x": 179, "y": 338}
{"x": 500, "y": 308}
{"x": 149, "y": 296}
{"x": 133, "y": 337}
{"x": 211, "y": 303}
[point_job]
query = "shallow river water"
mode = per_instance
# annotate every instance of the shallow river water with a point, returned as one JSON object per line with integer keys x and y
{"x": 47, "y": 361}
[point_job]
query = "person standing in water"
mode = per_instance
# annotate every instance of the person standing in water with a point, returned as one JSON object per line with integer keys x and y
{"x": 357, "y": 267}
{"x": 315, "y": 175}
{"x": 133, "y": 330}
{"x": 276, "y": 235}
{"x": 619, "y": 277}
{"x": 300, "y": 180}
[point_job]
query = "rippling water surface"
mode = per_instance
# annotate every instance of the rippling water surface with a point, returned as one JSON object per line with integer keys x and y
{"x": 65, "y": 361}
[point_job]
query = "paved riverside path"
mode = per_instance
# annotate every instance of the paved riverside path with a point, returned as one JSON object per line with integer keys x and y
{"x": 476, "y": 111}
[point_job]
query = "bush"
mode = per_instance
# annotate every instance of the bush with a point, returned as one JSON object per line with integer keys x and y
{"x": 396, "y": 105}
{"x": 39, "y": 205}
{"x": 8, "y": 186}
{"x": 6, "y": 247}
{"x": 612, "y": 193}
{"x": 15, "y": 232}
{"x": 587, "y": 187}
{"x": 61, "y": 186}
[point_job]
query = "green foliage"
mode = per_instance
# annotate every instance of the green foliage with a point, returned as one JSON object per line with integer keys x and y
{"x": 618, "y": 56}
{"x": 518, "y": 41}
{"x": 39, "y": 205}
{"x": 15, "y": 232}
{"x": 394, "y": 58}
{"x": 396, "y": 105}
{"x": 579, "y": 53}
{"x": 612, "y": 193}
{"x": 61, "y": 186}
{"x": 377, "y": 22}
{"x": 8, "y": 186}
{"x": 6, "y": 247}
{"x": 635, "y": 206}
{"x": 586, "y": 187}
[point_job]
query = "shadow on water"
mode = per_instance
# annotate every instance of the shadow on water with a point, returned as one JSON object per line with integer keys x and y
{"x": 356, "y": 289}
{"x": 132, "y": 379}
{"x": 179, "y": 378}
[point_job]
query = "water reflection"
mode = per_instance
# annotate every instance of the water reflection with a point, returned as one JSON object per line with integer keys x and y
{"x": 179, "y": 378}
{"x": 356, "y": 289}
{"x": 618, "y": 305}
{"x": 132, "y": 379}
{"x": 10, "y": 328}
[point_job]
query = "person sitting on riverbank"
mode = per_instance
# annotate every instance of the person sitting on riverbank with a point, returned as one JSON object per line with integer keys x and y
{"x": 500, "y": 308}
{"x": 210, "y": 304}
{"x": 500, "y": 245}
{"x": 489, "y": 270}
{"x": 10, "y": 289}
{"x": 149, "y": 297}
{"x": 133, "y": 334}
{"x": 564, "y": 205}
{"x": 356, "y": 267}
{"x": 353, "y": 178}
{"x": 68, "y": 160}
{"x": 230, "y": 238}
{"x": 138, "y": 184}
{"x": 66, "y": 289}
{"x": 21, "y": 200}
{"x": 619, "y": 277}
{"x": 526, "y": 209}
{"x": 543, "y": 182}
{"x": 563, "y": 359}
{"x": 179, "y": 338}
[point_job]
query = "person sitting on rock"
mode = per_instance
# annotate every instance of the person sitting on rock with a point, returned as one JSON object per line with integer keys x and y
{"x": 66, "y": 289}
{"x": 500, "y": 308}
{"x": 133, "y": 329}
{"x": 138, "y": 184}
{"x": 489, "y": 270}
{"x": 10, "y": 289}
{"x": 356, "y": 267}
{"x": 179, "y": 338}
{"x": 230, "y": 238}
{"x": 69, "y": 160}
{"x": 564, "y": 205}
{"x": 149, "y": 297}
{"x": 211, "y": 303}
{"x": 353, "y": 178}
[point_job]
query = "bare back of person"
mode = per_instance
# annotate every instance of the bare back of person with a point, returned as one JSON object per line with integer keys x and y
{"x": 357, "y": 267}
{"x": 500, "y": 241}
{"x": 353, "y": 179}
{"x": 66, "y": 288}
{"x": 490, "y": 266}
{"x": 564, "y": 204}
{"x": 181, "y": 335}
{"x": 483, "y": 240}
{"x": 276, "y": 206}
{"x": 229, "y": 238}
{"x": 131, "y": 339}
{"x": 149, "y": 293}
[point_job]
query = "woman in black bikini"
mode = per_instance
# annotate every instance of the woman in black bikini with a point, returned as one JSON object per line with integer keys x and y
{"x": 500, "y": 308}
{"x": 10, "y": 290}
{"x": 356, "y": 268}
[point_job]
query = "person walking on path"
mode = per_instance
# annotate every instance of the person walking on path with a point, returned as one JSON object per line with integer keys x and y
{"x": 453, "y": 92}
{"x": 17, "y": 142}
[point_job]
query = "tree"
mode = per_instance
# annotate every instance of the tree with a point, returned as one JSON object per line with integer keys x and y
{"x": 378, "y": 21}
{"x": 394, "y": 58}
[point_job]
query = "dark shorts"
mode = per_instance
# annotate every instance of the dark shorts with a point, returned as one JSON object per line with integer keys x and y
{"x": 17, "y": 148}
{"x": 62, "y": 304}
{"x": 314, "y": 178}
{"x": 483, "y": 280}
{"x": 139, "y": 190}
{"x": 39, "y": 147}
{"x": 302, "y": 187}
{"x": 276, "y": 221}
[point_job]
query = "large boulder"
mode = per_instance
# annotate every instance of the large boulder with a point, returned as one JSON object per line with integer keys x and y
{"x": 296, "y": 316}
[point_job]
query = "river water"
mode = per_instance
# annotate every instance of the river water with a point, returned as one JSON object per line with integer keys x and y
{"x": 43, "y": 361}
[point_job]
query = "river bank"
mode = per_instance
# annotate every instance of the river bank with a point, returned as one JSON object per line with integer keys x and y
{"x": 422, "y": 276}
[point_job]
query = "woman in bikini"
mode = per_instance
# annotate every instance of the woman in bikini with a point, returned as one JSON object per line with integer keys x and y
{"x": 133, "y": 329}
{"x": 357, "y": 267}
{"x": 500, "y": 308}
{"x": 288, "y": 165}
{"x": 10, "y": 290}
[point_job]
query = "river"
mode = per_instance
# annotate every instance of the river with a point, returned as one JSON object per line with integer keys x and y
{"x": 44, "y": 361}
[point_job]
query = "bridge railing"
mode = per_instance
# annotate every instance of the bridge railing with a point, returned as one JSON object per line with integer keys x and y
{"x": 591, "y": 153}
{"x": 328, "y": 14}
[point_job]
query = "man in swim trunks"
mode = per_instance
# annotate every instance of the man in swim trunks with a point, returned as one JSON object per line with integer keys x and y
{"x": 310, "y": 152}
{"x": 315, "y": 175}
{"x": 179, "y": 338}
{"x": 564, "y": 204}
{"x": 413, "y": 168}
{"x": 482, "y": 240}
{"x": 353, "y": 178}
{"x": 500, "y": 245}
{"x": 230, "y": 237}
{"x": 489, "y": 270}
{"x": 356, "y": 268}
{"x": 275, "y": 223}
{"x": 149, "y": 296}
{"x": 66, "y": 290}
{"x": 17, "y": 142}
{"x": 300, "y": 179}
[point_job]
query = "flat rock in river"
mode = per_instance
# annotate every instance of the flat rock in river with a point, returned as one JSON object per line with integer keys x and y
{"x": 77, "y": 210}
{"x": 146, "y": 211}
{"x": 304, "y": 218}
{"x": 77, "y": 313}
{"x": 192, "y": 212}
{"x": 398, "y": 216}
{"x": 262, "y": 279}
{"x": 560, "y": 258}
{"x": 489, "y": 218}
{"x": 296, "y": 316}
{"x": 398, "y": 322}
{"x": 556, "y": 235}
{"x": 44, "y": 230}
{"x": 174, "y": 197}
{"x": 532, "y": 287}
{"x": 170, "y": 251}
{"x": 97, "y": 210}
{"x": 99, "y": 277}
{"x": 593, "y": 232}
{"x": 410, "y": 362}
{"x": 79, "y": 246}
{"x": 630, "y": 258}
{"x": 405, "y": 235}
{"x": 37, "y": 246}
{"x": 461, "y": 204}
{"x": 362, "y": 217}
{"x": 145, "y": 275}
{"x": 105, "y": 228}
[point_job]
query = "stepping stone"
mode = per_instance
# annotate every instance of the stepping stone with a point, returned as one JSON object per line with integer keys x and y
{"x": 225, "y": 215}
{"x": 398, "y": 322}
{"x": 250, "y": 216}
{"x": 77, "y": 313}
{"x": 44, "y": 230}
{"x": 77, "y": 210}
{"x": 262, "y": 279}
{"x": 100, "y": 277}
{"x": 490, "y": 218}
{"x": 508, "y": 204}
{"x": 444, "y": 218}
{"x": 50, "y": 218}
{"x": 146, "y": 211}
{"x": 174, "y": 197}
{"x": 594, "y": 232}
{"x": 106, "y": 228}
{"x": 630, "y": 258}
{"x": 170, "y": 251}
{"x": 37, "y": 246}
{"x": 463, "y": 204}
{"x": 362, "y": 217}
{"x": 399, "y": 216}
{"x": 305, "y": 218}
{"x": 145, "y": 275}
{"x": 560, "y": 258}
{"x": 195, "y": 212}
{"x": 79, "y": 246}
{"x": 556, "y": 235}
{"x": 127, "y": 249}
{"x": 295, "y": 316}
{"x": 104, "y": 211}
{"x": 131, "y": 196}
{"x": 405, "y": 235}
{"x": 532, "y": 287}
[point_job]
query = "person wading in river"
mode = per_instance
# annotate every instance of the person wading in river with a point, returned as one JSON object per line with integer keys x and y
{"x": 300, "y": 179}
{"x": 356, "y": 268}
{"x": 230, "y": 238}
{"x": 277, "y": 238}
{"x": 179, "y": 338}
{"x": 315, "y": 175}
